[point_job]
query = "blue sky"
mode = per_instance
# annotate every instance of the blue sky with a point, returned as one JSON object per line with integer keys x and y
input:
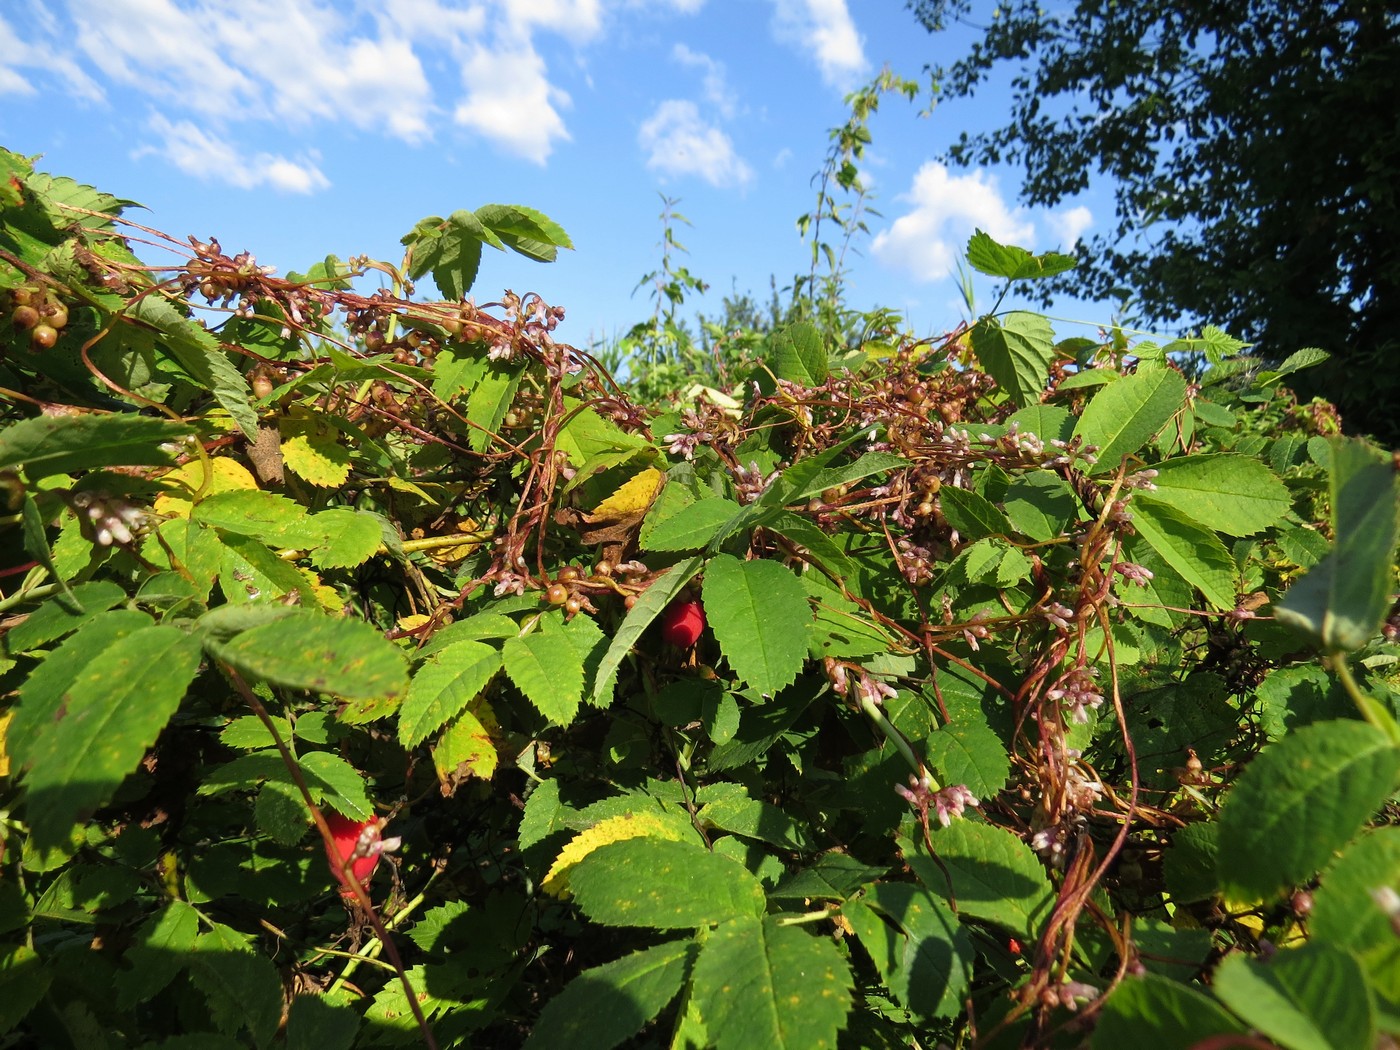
{"x": 298, "y": 128}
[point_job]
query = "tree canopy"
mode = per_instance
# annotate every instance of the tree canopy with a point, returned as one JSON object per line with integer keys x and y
{"x": 1254, "y": 151}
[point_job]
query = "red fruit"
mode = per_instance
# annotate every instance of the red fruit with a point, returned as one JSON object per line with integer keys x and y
{"x": 682, "y": 623}
{"x": 357, "y": 838}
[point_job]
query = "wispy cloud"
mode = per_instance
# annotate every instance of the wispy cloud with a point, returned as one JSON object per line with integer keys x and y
{"x": 824, "y": 30}
{"x": 197, "y": 152}
{"x": 944, "y": 209}
{"x": 678, "y": 141}
{"x": 717, "y": 90}
{"x": 511, "y": 102}
{"x": 1069, "y": 224}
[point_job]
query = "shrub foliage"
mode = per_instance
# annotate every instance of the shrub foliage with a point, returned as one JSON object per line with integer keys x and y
{"x": 378, "y": 671}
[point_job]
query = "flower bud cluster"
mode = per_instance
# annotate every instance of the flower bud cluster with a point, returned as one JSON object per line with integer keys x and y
{"x": 108, "y": 519}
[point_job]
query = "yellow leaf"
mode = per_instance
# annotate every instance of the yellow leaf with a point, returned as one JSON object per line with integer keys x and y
{"x": 409, "y": 623}
{"x": 327, "y": 598}
{"x": 467, "y": 748}
{"x": 613, "y": 829}
{"x": 632, "y": 499}
{"x": 312, "y": 451}
{"x": 226, "y": 475}
{"x": 4, "y": 755}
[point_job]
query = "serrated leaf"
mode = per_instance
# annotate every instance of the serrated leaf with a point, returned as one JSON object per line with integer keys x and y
{"x": 242, "y": 987}
{"x": 24, "y": 980}
{"x": 313, "y": 1023}
{"x": 810, "y": 476}
{"x": 1301, "y": 798}
{"x": 1016, "y": 351}
{"x": 618, "y": 828}
{"x": 834, "y": 876}
{"x": 342, "y": 538}
{"x": 1342, "y": 600}
{"x": 636, "y": 988}
{"x": 995, "y": 876}
{"x": 444, "y": 686}
{"x": 48, "y": 445}
{"x": 798, "y": 354}
{"x": 1124, "y": 416}
{"x": 247, "y": 733}
{"x": 156, "y": 953}
{"x": 761, "y": 984}
{"x": 250, "y": 512}
{"x": 1040, "y": 505}
{"x": 923, "y": 954}
{"x": 663, "y": 885}
{"x": 182, "y": 483}
{"x": 346, "y": 786}
{"x": 974, "y": 516}
{"x": 970, "y": 753}
{"x": 451, "y": 249}
{"x": 1156, "y": 1013}
{"x": 466, "y": 748}
{"x": 1349, "y": 909}
{"x": 105, "y": 722}
{"x": 1311, "y": 998}
{"x": 549, "y": 671}
{"x": 199, "y": 356}
{"x": 693, "y": 528}
{"x": 1236, "y": 495}
{"x": 759, "y": 613}
{"x": 987, "y": 256}
{"x": 489, "y": 401}
{"x": 307, "y": 650}
{"x": 544, "y": 814}
{"x": 649, "y": 606}
{"x": 820, "y": 547}
{"x": 1193, "y": 550}
{"x": 311, "y": 449}
{"x": 755, "y": 819}
{"x": 55, "y": 619}
{"x": 631, "y": 499}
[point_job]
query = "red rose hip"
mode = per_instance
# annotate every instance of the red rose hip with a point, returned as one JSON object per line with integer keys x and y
{"x": 354, "y": 838}
{"x": 682, "y": 623}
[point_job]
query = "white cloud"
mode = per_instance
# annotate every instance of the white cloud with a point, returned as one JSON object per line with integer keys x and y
{"x": 927, "y": 240}
{"x": 511, "y": 101}
{"x": 824, "y": 30}
{"x": 1069, "y": 224}
{"x": 198, "y": 152}
{"x": 717, "y": 89}
{"x": 679, "y": 142}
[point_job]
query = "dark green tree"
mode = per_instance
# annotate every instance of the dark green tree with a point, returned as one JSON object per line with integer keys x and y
{"x": 1254, "y": 148}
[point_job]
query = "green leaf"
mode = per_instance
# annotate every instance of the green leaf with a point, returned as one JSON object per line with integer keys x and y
{"x": 821, "y": 548}
{"x": 1047, "y": 422}
{"x": 1341, "y": 602}
{"x": 1126, "y": 415}
{"x": 155, "y": 954}
{"x": 971, "y": 753}
{"x": 525, "y": 230}
{"x": 54, "y": 619}
{"x": 692, "y": 528}
{"x": 24, "y": 980}
{"x": 972, "y": 515}
{"x": 1193, "y": 550}
{"x": 834, "y": 876}
{"x": 200, "y": 357}
{"x": 648, "y": 607}
{"x": 759, "y": 613}
{"x": 251, "y": 512}
{"x": 1295, "y": 362}
{"x": 1236, "y": 495}
{"x": 308, "y": 650}
{"x": 1004, "y": 260}
{"x": 451, "y": 249}
{"x": 544, "y": 814}
{"x": 1345, "y": 911}
{"x": 107, "y": 719}
{"x": 1017, "y": 352}
{"x": 489, "y": 402}
{"x": 1040, "y": 505}
{"x": 314, "y": 1023}
{"x": 1299, "y": 800}
{"x": 443, "y": 687}
{"x": 342, "y": 538}
{"x": 549, "y": 671}
{"x": 809, "y": 477}
{"x": 1156, "y": 1013}
{"x": 798, "y": 354}
{"x": 242, "y": 987}
{"x": 344, "y": 788}
{"x": 663, "y": 885}
{"x": 1310, "y": 998}
{"x": 995, "y": 876}
{"x": 48, "y": 445}
{"x": 632, "y": 991}
{"x": 923, "y": 954}
{"x": 758, "y": 983}
{"x": 755, "y": 819}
